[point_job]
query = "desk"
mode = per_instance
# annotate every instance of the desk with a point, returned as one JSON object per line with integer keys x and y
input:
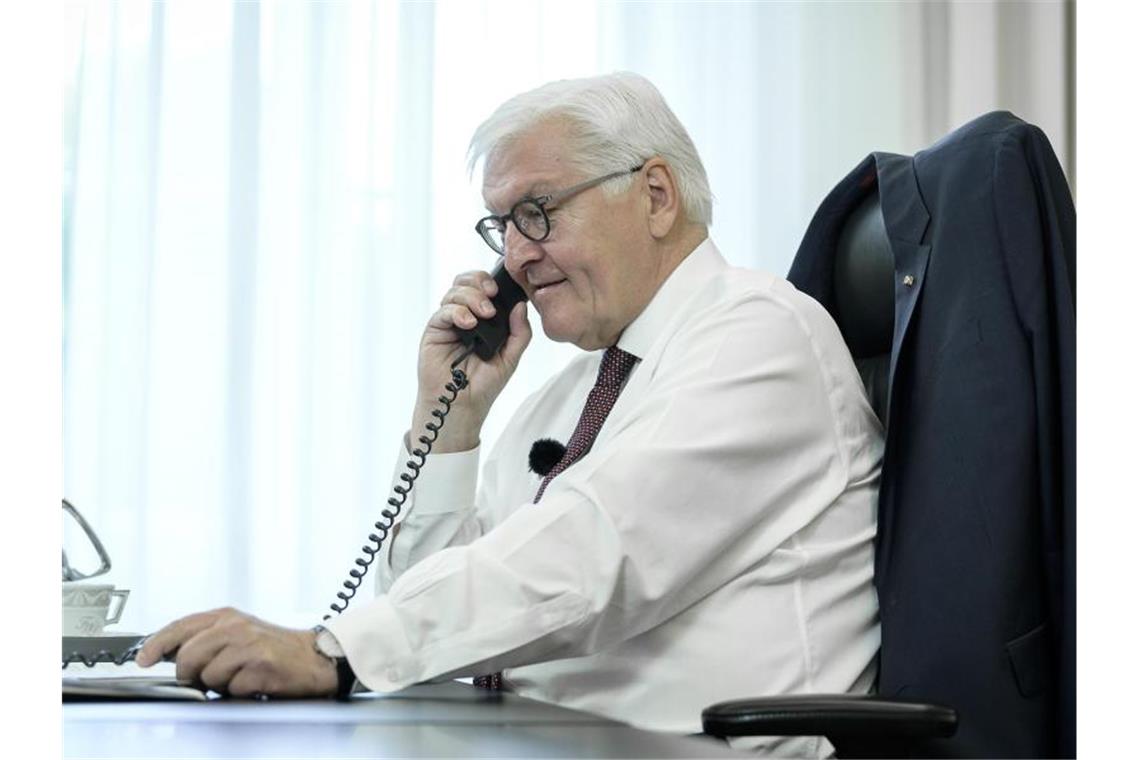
{"x": 428, "y": 720}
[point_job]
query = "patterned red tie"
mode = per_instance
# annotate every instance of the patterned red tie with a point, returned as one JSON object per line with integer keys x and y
{"x": 616, "y": 365}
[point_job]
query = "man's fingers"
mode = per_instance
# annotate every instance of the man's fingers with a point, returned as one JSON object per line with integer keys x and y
{"x": 172, "y": 636}
{"x": 452, "y": 315}
{"x": 219, "y": 672}
{"x": 473, "y": 297}
{"x": 197, "y": 652}
{"x": 478, "y": 279}
{"x": 251, "y": 679}
{"x": 459, "y": 316}
{"x": 520, "y": 334}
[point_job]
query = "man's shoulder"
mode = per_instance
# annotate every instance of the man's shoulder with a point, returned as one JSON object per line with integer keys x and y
{"x": 754, "y": 314}
{"x": 754, "y": 295}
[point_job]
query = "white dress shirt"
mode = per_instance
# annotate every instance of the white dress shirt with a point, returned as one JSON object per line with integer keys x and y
{"x": 715, "y": 543}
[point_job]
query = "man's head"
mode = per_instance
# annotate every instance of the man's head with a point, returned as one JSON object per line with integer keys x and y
{"x": 610, "y": 246}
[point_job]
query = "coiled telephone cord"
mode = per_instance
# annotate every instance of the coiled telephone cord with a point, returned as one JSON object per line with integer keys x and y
{"x": 103, "y": 655}
{"x": 388, "y": 516}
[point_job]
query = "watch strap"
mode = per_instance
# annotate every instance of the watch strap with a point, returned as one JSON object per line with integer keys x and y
{"x": 345, "y": 677}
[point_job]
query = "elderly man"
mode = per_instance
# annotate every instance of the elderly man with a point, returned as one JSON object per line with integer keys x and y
{"x": 707, "y": 532}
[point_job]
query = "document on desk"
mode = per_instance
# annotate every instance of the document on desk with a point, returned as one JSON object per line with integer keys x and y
{"x": 102, "y": 688}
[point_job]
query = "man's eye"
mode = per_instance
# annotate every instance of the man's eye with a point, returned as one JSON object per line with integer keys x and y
{"x": 529, "y": 218}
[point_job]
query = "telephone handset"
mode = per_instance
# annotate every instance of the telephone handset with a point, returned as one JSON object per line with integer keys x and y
{"x": 484, "y": 340}
{"x": 486, "y": 337}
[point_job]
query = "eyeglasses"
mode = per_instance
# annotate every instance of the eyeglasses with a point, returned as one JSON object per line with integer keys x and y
{"x": 530, "y": 214}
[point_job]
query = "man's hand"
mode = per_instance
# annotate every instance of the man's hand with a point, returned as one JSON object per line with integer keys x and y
{"x": 468, "y": 300}
{"x": 240, "y": 655}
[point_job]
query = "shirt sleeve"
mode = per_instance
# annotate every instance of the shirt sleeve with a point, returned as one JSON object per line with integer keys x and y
{"x": 728, "y": 453}
{"x": 438, "y": 512}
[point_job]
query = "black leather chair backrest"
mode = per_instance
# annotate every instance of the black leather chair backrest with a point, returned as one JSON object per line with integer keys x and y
{"x": 865, "y": 297}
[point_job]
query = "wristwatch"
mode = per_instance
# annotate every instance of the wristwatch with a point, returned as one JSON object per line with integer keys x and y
{"x": 327, "y": 645}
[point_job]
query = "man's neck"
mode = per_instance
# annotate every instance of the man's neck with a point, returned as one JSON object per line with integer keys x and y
{"x": 676, "y": 247}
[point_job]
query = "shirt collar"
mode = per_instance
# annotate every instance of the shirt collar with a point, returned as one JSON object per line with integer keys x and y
{"x": 692, "y": 273}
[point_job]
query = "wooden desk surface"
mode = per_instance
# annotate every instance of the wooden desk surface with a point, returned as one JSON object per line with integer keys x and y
{"x": 429, "y": 720}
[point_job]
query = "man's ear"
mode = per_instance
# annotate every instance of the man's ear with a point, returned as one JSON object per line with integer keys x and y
{"x": 664, "y": 200}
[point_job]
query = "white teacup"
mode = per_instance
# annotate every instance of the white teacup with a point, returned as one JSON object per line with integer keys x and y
{"x": 86, "y": 607}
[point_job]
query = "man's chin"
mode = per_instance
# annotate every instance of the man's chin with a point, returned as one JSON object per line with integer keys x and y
{"x": 556, "y": 333}
{"x": 583, "y": 342}
{"x": 570, "y": 331}
{"x": 560, "y": 332}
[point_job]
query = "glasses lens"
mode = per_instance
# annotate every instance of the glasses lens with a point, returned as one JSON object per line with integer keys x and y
{"x": 531, "y": 220}
{"x": 492, "y": 231}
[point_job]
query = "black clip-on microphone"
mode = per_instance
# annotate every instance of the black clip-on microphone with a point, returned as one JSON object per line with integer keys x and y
{"x": 544, "y": 454}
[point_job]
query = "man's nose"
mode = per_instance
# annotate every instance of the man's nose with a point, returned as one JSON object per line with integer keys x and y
{"x": 519, "y": 250}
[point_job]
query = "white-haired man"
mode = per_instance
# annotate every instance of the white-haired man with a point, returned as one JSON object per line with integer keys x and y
{"x": 707, "y": 532}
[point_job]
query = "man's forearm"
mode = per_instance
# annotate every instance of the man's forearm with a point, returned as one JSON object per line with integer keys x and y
{"x": 447, "y": 489}
{"x": 458, "y": 432}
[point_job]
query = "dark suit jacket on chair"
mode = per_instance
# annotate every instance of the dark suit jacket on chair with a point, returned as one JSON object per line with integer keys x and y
{"x": 975, "y": 563}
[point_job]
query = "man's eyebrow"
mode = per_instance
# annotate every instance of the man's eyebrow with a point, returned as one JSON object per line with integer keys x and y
{"x": 537, "y": 190}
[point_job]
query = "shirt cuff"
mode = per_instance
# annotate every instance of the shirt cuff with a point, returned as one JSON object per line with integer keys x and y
{"x": 327, "y": 643}
{"x": 446, "y": 482}
{"x": 372, "y": 639}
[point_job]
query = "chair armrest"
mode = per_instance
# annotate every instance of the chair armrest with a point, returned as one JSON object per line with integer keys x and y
{"x": 856, "y": 725}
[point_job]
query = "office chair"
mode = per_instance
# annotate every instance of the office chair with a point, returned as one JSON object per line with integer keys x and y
{"x": 857, "y": 726}
{"x": 951, "y": 275}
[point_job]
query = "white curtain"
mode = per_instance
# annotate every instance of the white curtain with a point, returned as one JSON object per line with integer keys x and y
{"x": 264, "y": 201}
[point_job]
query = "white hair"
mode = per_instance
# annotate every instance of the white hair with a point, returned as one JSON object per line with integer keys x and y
{"x": 617, "y": 121}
